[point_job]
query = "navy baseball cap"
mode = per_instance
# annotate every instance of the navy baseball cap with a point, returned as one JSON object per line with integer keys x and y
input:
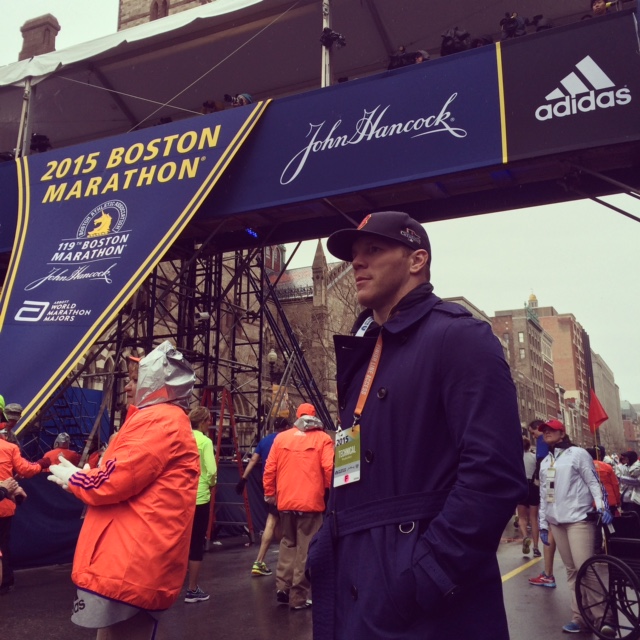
{"x": 391, "y": 225}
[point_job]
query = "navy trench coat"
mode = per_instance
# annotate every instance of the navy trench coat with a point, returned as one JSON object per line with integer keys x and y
{"x": 409, "y": 551}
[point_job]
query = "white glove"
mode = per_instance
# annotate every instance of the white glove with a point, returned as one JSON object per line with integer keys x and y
{"x": 60, "y": 473}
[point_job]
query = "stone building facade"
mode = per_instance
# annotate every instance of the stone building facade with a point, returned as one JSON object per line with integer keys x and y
{"x": 523, "y": 333}
{"x": 134, "y": 12}
{"x": 611, "y": 432}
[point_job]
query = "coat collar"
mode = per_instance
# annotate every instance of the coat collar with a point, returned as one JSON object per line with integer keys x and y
{"x": 412, "y": 308}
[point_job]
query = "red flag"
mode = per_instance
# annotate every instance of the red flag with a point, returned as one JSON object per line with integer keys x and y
{"x": 597, "y": 414}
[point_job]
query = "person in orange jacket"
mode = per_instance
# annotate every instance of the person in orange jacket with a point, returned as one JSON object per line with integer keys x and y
{"x": 131, "y": 557}
{"x": 608, "y": 478}
{"x": 61, "y": 448}
{"x": 297, "y": 475}
{"x": 12, "y": 491}
{"x": 11, "y": 464}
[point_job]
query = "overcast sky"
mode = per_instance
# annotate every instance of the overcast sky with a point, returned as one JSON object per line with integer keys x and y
{"x": 580, "y": 258}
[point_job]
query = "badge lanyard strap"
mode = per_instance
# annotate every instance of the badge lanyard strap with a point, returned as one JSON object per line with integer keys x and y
{"x": 368, "y": 380}
{"x": 554, "y": 458}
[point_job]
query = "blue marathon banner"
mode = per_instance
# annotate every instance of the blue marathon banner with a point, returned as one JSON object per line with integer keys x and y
{"x": 92, "y": 223}
{"x": 567, "y": 88}
{"x": 425, "y": 120}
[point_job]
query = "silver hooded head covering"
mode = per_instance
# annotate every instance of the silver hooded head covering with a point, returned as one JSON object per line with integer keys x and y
{"x": 61, "y": 439}
{"x": 164, "y": 376}
{"x": 308, "y": 423}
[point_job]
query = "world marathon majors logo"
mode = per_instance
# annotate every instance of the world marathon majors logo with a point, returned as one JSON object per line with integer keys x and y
{"x": 581, "y": 98}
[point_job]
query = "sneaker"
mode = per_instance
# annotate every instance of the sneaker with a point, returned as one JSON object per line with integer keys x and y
{"x": 573, "y": 627}
{"x": 282, "y": 597}
{"x": 306, "y": 605}
{"x": 260, "y": 569}
{"x": 198, "y": 595}
{"x": 607, "y": 631}
{"x": 543, "y": 580}
{"x": 526, "y": 546}
{"x": 536, "y": 553}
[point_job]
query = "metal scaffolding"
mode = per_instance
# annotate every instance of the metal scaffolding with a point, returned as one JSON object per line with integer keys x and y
{"x": 219, "y": 309}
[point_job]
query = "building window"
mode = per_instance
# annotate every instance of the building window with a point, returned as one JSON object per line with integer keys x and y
{"x": 159, "y": 9}
{"x": 276, "y": 259}
{"x": 521, "y": 337}
{"x": 523, "y": 354}
{"x": 268, "y": 261}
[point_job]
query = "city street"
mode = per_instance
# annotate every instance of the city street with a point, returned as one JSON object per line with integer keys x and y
{"x": 244, "y": 607}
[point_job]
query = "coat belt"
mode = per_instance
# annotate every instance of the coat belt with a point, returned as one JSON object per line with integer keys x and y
{"x": 412, "y": 507}
{"x": 394, "y": 510}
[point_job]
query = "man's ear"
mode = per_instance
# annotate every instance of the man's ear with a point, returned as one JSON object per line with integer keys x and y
{"x": 419, "y": 260}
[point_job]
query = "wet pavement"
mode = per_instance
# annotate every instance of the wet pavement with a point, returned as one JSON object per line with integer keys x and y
{"x": 244, "y": 607}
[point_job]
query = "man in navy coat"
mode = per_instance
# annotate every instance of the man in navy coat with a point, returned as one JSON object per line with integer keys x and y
{"x": 429, "y": 459}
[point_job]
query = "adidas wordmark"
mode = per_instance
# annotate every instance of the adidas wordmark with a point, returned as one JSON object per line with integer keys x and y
{"x": 590, "y": 90}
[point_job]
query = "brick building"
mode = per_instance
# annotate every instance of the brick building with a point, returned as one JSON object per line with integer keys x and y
{"x": 523, "y": 334}
{"x": 571, "y": 361}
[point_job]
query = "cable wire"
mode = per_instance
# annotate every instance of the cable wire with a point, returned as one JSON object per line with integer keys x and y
{"x": 206, "y": 73}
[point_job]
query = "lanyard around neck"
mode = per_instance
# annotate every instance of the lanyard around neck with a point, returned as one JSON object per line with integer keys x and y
{"x": 368, "y": 380}
{"x": 555, "y": 457}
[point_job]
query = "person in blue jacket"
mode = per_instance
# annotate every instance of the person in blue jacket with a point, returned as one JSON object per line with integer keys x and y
{"x": 428, "y": 464}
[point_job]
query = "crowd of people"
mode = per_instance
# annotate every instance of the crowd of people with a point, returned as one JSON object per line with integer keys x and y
{"x": 573, "y": 493}
{"x": 511, "y": 25}
{"x": 388, "y": 530}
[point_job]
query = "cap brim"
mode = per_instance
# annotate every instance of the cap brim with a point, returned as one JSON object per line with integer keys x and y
{"x": 340, "y": 243}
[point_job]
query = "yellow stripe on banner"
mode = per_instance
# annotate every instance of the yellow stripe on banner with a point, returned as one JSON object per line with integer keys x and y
{"x": 503, "y": 114}
{"x": 515, "y": 572}
{"x": 111, "y": 311}
{"x": 22, "y": 224}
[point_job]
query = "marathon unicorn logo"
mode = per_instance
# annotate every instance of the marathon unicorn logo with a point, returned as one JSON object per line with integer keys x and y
{"x": 102, "y": 220}
{"x": 588, "y": 90}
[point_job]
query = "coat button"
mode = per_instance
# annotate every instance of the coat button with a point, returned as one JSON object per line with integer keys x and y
{"x": 382, "y": 392}
{"x": 368, "y": 456}
{"x": 342, "y": 406}
{"x": 354, "y": 592}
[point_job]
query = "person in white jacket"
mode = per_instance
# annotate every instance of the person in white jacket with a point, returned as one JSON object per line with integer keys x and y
{"x": 629, "y": 476}
{"x": 569, "y": 487}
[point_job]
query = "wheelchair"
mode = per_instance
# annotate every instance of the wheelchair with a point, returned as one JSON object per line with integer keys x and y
{"x": 608, "y": 585}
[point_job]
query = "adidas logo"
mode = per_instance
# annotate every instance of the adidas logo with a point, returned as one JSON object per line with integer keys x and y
{"x": 582, "y": 98}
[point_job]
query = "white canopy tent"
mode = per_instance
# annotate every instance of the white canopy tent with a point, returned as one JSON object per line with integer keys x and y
{"x": 268, "y": 48}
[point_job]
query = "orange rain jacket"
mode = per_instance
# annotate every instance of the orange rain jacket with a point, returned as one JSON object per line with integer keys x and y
{"x": 53, "y": 456}
{"x": 134, "y": 543}
{"x": 299, "y": 469}
{"x": 609, "y": 481}
{"x": 11, "y": 462}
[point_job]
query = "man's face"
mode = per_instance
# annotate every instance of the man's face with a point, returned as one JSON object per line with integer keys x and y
{"x": 382, "y": 272}
{"x": 132, "y": 385}
{"x": 599, "y": 7}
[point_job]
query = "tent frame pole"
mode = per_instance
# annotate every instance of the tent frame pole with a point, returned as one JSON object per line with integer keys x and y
{"x": 24, "y": 130}
{"x": 325, "y": 76}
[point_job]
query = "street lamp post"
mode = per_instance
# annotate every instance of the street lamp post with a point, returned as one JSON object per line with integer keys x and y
{"x": 272, "y": 358}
